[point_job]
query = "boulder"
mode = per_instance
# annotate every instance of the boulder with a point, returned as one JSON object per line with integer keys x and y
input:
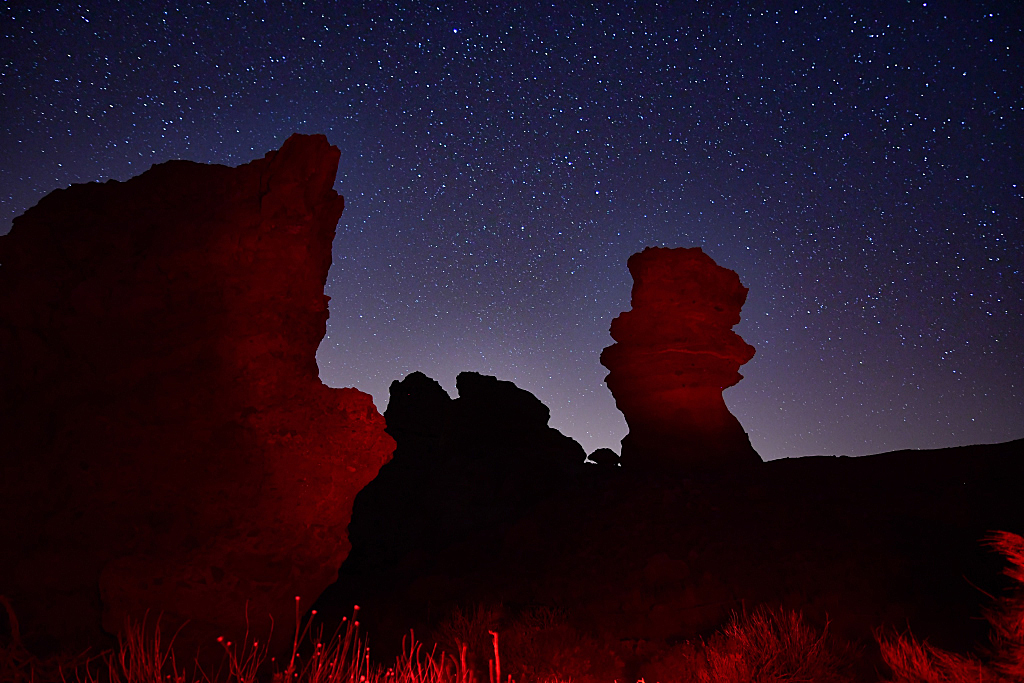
{"x": 168, "y": 444}
{"x": 675, "y": 353}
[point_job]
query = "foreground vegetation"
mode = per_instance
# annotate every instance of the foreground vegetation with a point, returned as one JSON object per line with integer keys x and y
{"x": 764, "y": 646}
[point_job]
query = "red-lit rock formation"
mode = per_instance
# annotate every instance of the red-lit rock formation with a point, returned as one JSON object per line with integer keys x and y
{"x": 167, "y": 443}
{"x": 674, "y": 355}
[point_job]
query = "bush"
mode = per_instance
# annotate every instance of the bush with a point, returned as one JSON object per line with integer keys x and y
{"x": 916, "y": 662}
{"x": 538, "y": 645}
{"x": 1007, "y": 617}
{"x": 765, "y": 646}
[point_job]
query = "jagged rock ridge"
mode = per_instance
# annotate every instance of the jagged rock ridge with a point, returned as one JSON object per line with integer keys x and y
{"x": 465, "y": 470}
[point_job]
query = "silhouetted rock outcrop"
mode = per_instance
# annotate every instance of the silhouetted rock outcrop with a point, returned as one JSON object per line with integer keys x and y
{"x": 636, "y": 563}
{"x": 464, "y": 471}
{"x": 674, "y": 355}
{"x": 167, "y": 443}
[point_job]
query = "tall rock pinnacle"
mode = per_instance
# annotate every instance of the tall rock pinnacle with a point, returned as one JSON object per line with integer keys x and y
{"x": 167, "y": 442}
{"x": 675, "y": 354}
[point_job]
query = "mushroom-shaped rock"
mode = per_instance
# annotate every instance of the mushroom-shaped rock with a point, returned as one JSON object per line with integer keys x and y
{"x": 675, "y": 354}
{"x": 168, "y": 444}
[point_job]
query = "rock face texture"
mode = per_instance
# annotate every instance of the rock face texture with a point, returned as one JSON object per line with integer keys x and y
{"x": 675, "y": 354}
{"x": 464, "y": 471}
{"x": 167, "y": 443}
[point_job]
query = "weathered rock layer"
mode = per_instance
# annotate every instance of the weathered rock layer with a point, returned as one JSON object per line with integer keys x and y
{"x": 675, "y": 354}
{"x": 168, "y": 445}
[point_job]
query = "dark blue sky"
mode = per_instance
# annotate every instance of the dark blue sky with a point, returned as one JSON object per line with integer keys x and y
{"x": 859, "y": 165}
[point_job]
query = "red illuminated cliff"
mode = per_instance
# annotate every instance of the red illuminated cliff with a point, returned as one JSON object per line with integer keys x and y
{"x": 675, "y": 354}
{"x": 168, "y": 444}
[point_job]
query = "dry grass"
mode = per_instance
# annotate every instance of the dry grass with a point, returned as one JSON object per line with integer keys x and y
{"x": 542, "y": 645}
{"x": 1007, "y": 617}
{"x": 912, "y": 661}
{"x": 537, "y": 644}
{"x": 765, "y": 646}
{"x": 467, "y": 631}
{"x": 142, "y": 656}
{"x": 18, "y": 665}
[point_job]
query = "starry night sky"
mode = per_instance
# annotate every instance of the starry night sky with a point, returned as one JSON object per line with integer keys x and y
{"x": 859, "y": 165}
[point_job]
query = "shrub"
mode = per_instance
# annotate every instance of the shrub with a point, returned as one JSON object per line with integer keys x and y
{"x": 917, "y": 662}
{"x": 541, "y": 645}
{"x": 914, "y": 662}
{"x": 537, "y": 645}
{"x": 765, "y": 646}
{"x": 467, "y": 631}
{"x": 1007, "y": 617}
